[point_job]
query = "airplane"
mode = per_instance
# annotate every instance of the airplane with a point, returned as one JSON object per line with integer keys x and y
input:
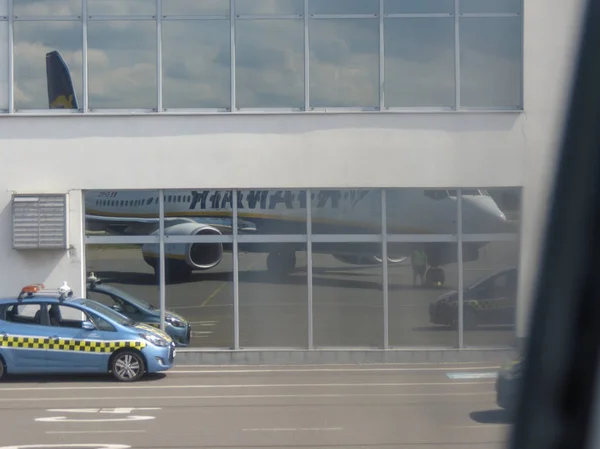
{"x": 334, "y": 211}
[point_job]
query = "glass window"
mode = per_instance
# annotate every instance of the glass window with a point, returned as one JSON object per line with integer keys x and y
{"x": 201, "y": 78}
{"x": 4, "y": 73}
{"x": 62, "y": 315}
{"x": 420, "y": 211}
{"x": 419, "y": 62}
{"x": 272, "y": 212}
{"x": 129, "y": 268}
{"x": 24, "y": 8}
{"x": 347, "y": 295}
{"x": 491, "y": 61}
{"x": 344, "y": 63}
{"x": 200, "y": 289}
{"x": 343, "y": 6}
{"x": 195, "y": 7}
{"x": 101, "y": 323}
{"x": 418, "y": 6}
{"x": 346, "y": 211}
{"x": 490, "y": 296}
{"x": 33, "y": 42}
{"x": 122, "y": 65}
{"x": 270, "y": 63}
{"x": 423, "y": 307}
{"x": 273, "y": 295}
{"x": 24, "y": 313}
{"x": 272, "y": 7}
{"x": 3, "y": 9}
{"x": 491, "y": 211}
{"x": 121, "y": 8}
{"x": 490, "y": 6}
{"x": 126, "y": 212}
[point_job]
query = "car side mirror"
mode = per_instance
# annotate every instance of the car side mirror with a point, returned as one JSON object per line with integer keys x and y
{"x": 88, "y": 326}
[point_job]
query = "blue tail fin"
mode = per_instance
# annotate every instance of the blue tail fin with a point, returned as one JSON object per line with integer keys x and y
{"x": 61, "y": 93}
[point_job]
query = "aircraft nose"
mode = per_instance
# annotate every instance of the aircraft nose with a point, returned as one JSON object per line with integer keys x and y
{"x": 481, "y": 215}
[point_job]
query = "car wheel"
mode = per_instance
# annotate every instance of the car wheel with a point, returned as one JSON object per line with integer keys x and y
{"x": 128, "y": 366}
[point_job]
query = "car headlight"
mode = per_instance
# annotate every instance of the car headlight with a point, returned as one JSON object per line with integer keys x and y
{"x": 176, "y": 322}
{"x": 154, "y": 339}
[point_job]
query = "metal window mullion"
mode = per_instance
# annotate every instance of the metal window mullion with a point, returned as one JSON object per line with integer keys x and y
{"x": 384, "y": 251}
{"x": 162, "y": 262}
{"x": 84, "y": 58}
{"x": 11, "y": 60}
{"x": 159, "y": 72}
{"x": 236, "y": 267}
{"x": 306, "y": 59}
{"x": 232, "y": 53}
{"x": 460, "y": 267}
{"x": 309, "y": 266}
{"x": 457, "y": 54}
{"x": 381, "y": 58}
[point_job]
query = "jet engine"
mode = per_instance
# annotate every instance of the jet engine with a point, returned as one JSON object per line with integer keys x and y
{"x": 197, "y": 256}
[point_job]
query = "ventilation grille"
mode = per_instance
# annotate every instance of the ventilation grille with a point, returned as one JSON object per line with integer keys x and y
{"x": 39, "y": 221}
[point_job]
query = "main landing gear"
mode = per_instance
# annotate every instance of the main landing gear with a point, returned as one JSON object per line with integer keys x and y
{"x": 435, "y": 277}
{"x": 281, "y": 263}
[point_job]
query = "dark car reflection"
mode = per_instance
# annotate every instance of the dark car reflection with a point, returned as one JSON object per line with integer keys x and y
{"x": 139, "y": 310}
{"x": 491, "y": 300}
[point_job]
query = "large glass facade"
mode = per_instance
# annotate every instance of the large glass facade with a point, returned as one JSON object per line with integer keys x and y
{"x": 247, "y": 55}
{"x": 311, "y": 268}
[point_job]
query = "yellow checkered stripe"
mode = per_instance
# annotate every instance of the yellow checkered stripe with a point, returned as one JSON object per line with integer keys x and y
{"x": 69, "y": 345}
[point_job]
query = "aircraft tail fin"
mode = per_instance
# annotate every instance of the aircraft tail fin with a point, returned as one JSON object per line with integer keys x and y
{"x": 61, "y": 93}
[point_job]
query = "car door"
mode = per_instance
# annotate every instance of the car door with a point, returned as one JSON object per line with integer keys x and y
{"x": 23, "y": 333}
{"x": 72, "y": 351}
{"x": 501, "y": 297}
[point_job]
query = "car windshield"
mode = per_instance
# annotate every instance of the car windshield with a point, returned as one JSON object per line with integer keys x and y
{"x": 129, "y": 298}
{"x": 107, "y": 312}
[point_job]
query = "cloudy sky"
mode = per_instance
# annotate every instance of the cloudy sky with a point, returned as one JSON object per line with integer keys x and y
{"x": 344, "y": 64}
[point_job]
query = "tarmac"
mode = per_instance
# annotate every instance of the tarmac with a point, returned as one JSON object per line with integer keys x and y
{"x": 273, "y": 313}
{"x": 415, "y": 406}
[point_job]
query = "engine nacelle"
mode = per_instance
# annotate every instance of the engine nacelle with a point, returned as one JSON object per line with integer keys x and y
{"x": 197, "y": 256}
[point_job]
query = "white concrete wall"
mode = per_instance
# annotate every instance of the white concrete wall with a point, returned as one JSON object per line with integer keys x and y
{"x": 356, "y": 150}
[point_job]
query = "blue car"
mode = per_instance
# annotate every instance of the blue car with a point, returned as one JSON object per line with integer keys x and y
{"x": 43, "y": 332}
{"x": 139, "y": 310}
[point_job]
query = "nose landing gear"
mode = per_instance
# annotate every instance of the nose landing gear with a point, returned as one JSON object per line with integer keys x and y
{"x": 435, "y": 277}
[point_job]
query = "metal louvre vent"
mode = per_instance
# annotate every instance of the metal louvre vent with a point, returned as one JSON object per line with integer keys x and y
{"x": 39, "y": 221}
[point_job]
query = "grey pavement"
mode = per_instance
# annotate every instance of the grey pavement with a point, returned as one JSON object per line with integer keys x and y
{"x": 347, "y": 301}
{"x": 405, "y": 406}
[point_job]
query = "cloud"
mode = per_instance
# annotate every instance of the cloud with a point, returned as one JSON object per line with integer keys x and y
{"x": 344, "y": 59}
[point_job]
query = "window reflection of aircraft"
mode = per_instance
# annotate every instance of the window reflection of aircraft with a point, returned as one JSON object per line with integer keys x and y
{"x": 208, "y": 212}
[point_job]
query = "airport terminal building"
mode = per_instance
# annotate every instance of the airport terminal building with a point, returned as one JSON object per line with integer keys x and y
{"x": 303, "y": 176}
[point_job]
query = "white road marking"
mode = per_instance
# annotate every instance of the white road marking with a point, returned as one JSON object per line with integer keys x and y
{"x": 317, "y": 370}
{"x": 201, "y": 332}
{"x": 120, "y": 410}
{"x": 490, "y": 375}
{"x": 315, "y": 429}
{"x": 242, "y": 396}
{"x": 215, "y": 386}
{"x": 93, "y": 431}
{"x": 65, "y": 419}
{"x": 204, "y": 323}
{"x": 61, "y": 446}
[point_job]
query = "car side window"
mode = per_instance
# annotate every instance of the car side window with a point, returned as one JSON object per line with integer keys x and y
{"x": 101, "y": 297}
{"x": 66, "y": 316}
{"x": 24, "y": 313}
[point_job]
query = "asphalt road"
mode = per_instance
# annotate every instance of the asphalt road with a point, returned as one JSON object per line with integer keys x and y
{"x": 347, "y": 300}
{"x": 390, "y": 406}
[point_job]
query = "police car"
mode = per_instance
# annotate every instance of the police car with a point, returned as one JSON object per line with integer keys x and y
{"x": 491, "y": 300}
{"x": 138, "y": 310}
{"x": 44, "y": 331}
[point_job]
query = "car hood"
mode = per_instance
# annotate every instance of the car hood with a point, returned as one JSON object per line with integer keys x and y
{"x": 153, "y": 330}
{"x": 452, "y": 297}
